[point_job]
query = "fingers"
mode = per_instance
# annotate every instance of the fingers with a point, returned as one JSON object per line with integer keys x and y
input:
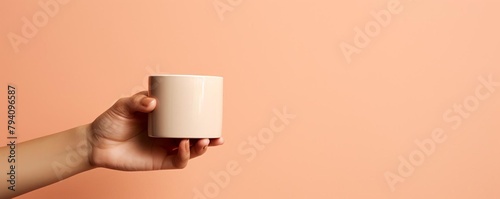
{"x": 186, "y": 152}
{"x": 140, "y": 102}
{"x": 199, "y": 148}
{"x": 216, "y": 141}
{"x": 180, "y": 160}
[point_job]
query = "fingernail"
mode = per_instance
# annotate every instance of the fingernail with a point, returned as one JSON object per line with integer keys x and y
{"x": 146, "y": 101}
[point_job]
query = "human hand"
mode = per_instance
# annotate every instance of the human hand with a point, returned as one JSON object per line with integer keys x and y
{"x": 118, "y": 140}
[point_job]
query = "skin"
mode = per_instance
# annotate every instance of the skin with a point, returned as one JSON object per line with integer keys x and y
{"x": 117, "y": 139}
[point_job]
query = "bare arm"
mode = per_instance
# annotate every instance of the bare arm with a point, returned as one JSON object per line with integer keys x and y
{"x": 45, "y": 160}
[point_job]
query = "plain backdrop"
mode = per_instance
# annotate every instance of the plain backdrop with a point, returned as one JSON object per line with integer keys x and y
{"x": 356, "y": 116}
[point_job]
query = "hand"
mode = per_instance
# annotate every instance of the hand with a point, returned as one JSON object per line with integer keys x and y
{"x": 118, "y": 140}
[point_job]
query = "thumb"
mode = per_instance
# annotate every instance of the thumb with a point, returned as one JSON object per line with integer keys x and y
{"x": 140, "y": 102}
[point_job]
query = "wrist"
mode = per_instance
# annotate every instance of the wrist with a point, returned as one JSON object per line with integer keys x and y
{"x": 68, "y": 154}
{"x": 86, "y": 145}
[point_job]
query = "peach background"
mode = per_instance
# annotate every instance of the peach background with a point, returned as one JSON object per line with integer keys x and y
{"x": 353, "y": 120}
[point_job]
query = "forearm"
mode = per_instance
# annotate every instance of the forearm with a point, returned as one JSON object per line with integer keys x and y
{"x": 46, "y": 160}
